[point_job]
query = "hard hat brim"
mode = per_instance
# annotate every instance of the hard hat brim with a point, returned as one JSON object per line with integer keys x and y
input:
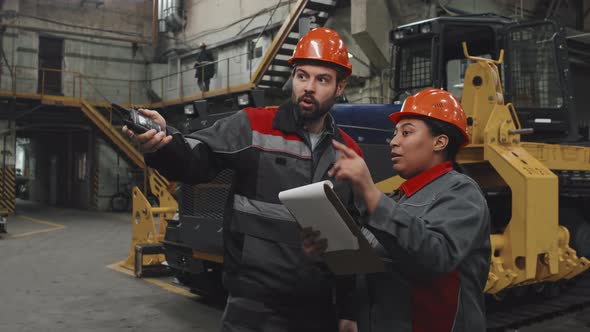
{"x": 395, "y": 117}
{"x": 347, "y": 70}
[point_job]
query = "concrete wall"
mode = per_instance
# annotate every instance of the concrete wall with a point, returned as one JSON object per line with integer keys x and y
{"x": 370, "y": 24}
{"x": 8, "y": 40}
{"x": 214, "y": 21}
{"x": 25, "y": 59}
{"x": 403, "y": 12}
{"x": 111, "y": 71}
{"x": 224, "y": 26}
{"x": 113, "y": 19}
{"x": 107, "y": 45}
{"x": 158, "y": 74}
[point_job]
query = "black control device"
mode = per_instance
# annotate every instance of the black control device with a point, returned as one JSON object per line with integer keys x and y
{"x": 135, "y": 121}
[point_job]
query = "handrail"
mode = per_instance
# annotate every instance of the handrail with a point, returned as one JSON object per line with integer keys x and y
{"x": 29, "y": 81}
{"x": 278, "y": 41}
{"x": 114, "y": 135}
{"x": 24, "y": 80}
{"x": 82, "y": 77}
{"x": 122, "y": 79}
{"x": 192, "y": 68}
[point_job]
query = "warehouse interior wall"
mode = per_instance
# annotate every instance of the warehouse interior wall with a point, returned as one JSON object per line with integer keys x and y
{"x": 117, "y": 51}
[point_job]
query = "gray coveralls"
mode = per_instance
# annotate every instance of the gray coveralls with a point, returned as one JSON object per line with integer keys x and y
{"x": 436, "y": 238}
{"x": 273, "y": 286}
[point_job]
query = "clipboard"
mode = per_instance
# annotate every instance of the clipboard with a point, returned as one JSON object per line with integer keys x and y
{"x": 317, "y": 206}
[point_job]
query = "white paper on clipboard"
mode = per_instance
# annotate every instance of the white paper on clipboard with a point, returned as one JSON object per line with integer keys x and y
{"x": 310, "y": 206}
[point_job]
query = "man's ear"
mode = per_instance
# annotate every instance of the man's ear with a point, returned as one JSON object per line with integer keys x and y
{"x": 440, "y": 142}
{"x": 340, "y": 87}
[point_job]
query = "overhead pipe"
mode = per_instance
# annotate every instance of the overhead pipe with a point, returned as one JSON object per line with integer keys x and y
{"x": 172, "y": 18}
{"x": 161, "y": 15}
{"x": 155, "y": 16}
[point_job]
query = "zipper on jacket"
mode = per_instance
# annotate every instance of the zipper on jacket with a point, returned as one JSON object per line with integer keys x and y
{"x": 304, "y": 134}
{"x": 305, "y": 137}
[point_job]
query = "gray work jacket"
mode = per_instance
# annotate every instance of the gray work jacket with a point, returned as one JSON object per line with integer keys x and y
{"x": 437, "y": 243}
{"x": 269, "y": 152}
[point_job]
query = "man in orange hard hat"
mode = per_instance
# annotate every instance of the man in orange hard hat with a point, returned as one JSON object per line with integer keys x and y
{"x": 434, "y": 230}
{"x": 272, "y": 285}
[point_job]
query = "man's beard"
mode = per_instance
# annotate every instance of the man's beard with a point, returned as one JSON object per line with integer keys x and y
{"x": 316, "y": 112}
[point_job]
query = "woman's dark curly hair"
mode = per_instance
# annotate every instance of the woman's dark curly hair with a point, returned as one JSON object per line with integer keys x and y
{"x": 455, "y": 136}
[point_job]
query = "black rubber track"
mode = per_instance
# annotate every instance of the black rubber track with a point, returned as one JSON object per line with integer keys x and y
{"x": 535, "y": 306}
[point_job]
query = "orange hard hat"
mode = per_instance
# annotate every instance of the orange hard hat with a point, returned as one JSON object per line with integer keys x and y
{"x": 322, "y": 44}
{"x": 437, "y": 104}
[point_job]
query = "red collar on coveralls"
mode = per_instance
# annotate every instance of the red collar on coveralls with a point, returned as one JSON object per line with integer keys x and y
{"x": 413, "y": 185}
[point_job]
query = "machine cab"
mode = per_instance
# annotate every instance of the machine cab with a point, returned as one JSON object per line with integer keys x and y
{"x": 534, "y": 74}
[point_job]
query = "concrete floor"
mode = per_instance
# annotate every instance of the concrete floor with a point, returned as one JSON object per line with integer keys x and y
{"x": 55, "y": 276}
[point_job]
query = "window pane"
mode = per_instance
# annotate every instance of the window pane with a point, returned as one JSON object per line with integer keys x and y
{"x": 533, "y": 69}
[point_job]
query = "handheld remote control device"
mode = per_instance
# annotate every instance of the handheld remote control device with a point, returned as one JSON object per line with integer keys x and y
{"x": 135, "y": 121}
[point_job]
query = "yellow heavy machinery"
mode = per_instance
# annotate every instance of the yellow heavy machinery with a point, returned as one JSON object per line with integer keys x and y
{"x": 148, "y": 224}
{"x": 533, "y": 247}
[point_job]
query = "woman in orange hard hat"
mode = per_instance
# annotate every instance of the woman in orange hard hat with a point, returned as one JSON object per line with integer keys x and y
{"x": 433, "y": 232}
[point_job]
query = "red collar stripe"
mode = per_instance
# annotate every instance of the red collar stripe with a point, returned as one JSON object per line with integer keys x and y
{"x": 413, "y": 185}
{"x": 261, "y": 119}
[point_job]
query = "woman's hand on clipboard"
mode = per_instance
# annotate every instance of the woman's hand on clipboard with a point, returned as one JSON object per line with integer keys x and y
{"x": 313, "y": 244}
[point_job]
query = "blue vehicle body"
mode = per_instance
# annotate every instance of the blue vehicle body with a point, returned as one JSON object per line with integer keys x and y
{"x": 366, "y": 123}
{"x": 370, "y": 127}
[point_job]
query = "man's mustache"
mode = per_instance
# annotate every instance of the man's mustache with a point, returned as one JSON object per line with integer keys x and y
{"x": 309, "y": 96}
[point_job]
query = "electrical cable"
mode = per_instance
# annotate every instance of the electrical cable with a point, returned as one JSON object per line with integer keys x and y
{"x": 211, "y": 31}
{"x": 267, "y": 22}
{"x": 245, "y": 26}
{"x": 187, "y": 40}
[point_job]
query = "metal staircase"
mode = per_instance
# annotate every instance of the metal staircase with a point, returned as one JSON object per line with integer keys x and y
{"x": 274, "y": 71}
{"x": 112, "y": 132}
